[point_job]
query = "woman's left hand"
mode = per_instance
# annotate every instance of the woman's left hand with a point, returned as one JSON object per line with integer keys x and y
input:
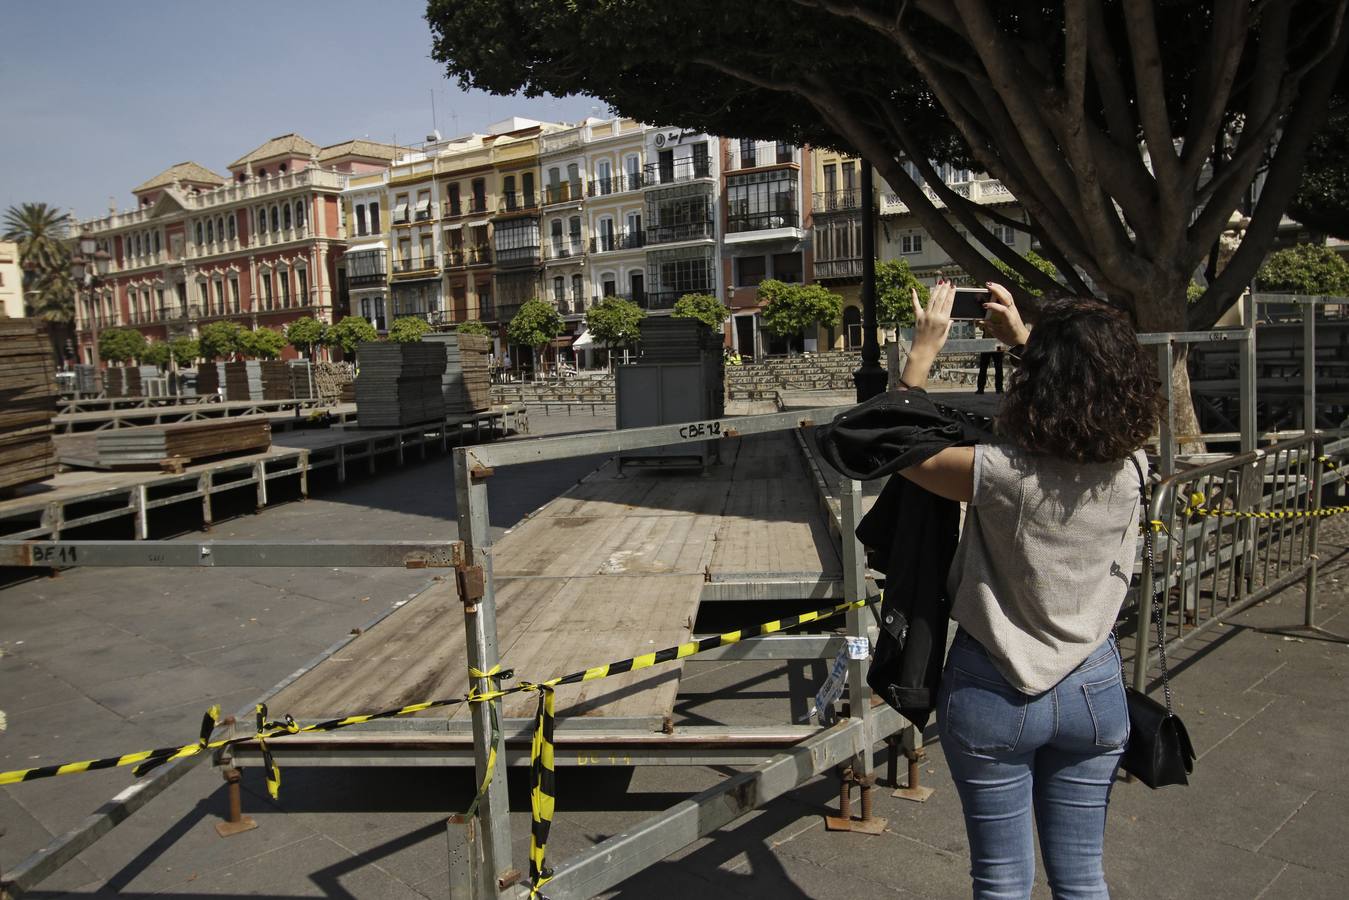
{"x": 930, "y": 328}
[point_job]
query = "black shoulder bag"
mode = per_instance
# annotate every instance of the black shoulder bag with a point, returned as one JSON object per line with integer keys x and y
{"x": 1159, "y": 750}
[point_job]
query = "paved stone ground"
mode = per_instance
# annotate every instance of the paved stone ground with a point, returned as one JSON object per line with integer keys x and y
{"x": 94, "y": 663}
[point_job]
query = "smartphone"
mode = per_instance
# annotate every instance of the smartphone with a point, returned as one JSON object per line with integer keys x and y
{"x": 969, "y": 303}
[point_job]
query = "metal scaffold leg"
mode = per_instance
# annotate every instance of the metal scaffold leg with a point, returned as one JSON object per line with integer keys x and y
{"x": 867, "y": 823}
{"x": 236, "y": 822}
{"x": 465, "y": 857}
{"x": 912, "y": 748}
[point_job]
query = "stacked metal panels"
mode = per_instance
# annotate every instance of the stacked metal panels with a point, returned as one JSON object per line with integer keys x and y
{"x": 400, "y": 384}
{"x": 182, "y": 442}
{"x": 210, "y": 376}
{"x": 301, "y": 377}
{"x": 28, "y": 395}
{"x": 255, "y": 379}
{"x": 466, "y": 382}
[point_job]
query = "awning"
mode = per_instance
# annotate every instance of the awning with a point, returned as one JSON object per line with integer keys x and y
{"x": 586, "y": 341}
{"x": 377, "y": 245}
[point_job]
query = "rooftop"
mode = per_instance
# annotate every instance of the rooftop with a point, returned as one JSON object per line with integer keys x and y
{"x": 183, "y": 173}
{"x": 285, "y": 145}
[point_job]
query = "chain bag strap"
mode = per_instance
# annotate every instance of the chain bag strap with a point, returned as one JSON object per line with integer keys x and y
{"x": 1159, "y": 751}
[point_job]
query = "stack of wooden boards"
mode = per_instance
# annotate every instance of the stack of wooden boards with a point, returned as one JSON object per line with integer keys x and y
{"x": 209, "y": 378}
{"x": 335, "y": 381}
{"x": 301, "y": 379}
{"x": 466, "y": 382}
{"x": 86, "y": 379}
{"x": 27, "y": 403}
{"x": 399, "y": 384}
{"x": 173, "y": 446}
{"x": 257, "y": 380}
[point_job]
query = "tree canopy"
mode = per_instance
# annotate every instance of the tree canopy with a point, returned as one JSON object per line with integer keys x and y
{"x": 120, "y": 345}
{"x": 473, "y": 326}
{"x": 157, "y": 353}
{"x": 351, "y": 332}
{"x": 1014, "y": 279}
{"x": 534, "y": 324}
{"x": 1129, "y": 131}
{"x": 789, "y": 309}
{"x": 261, "y": 343}
{"x": 1305, "y": 269}
{"x": 306, "y": 333}
{"x": 185, "y": 350}
{"x": 703, "y": 307}
{"x": 895, "y": 283}
{"x": 615, "y": 321}
{"x": 408, "y": 329}
{"x": 1322, "y": 200}
{"x": 219, "y": 340}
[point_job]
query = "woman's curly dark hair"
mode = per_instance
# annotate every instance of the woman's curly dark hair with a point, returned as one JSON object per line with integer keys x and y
{"x": 1086, "y": 390}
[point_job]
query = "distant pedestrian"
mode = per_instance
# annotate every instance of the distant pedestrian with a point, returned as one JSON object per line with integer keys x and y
{"x": 506, "y": 365}
{"x": 994, "y": 357}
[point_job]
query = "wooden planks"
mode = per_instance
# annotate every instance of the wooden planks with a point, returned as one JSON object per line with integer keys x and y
{"x": 399, "y": 384}
{"x": 182, "y": 442}
{"x": 613, "y": 568}
{"x": 466, "y": 382}
{"x": 28, "y": 395}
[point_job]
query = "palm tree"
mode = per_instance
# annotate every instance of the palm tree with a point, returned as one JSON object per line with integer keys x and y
{"x": 49, "y": 291}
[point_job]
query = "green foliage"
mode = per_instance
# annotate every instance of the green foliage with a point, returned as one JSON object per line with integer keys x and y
{"x": 120, "y": 344}
{"x": 306, "y": 333}
{"x": 408, "y": 329}
{"x": 39, "y": 230}
{"x": 534, "y": 324}
{"x": 473, "y": 326}
{"x": 789, "y": 309}
{"x": 185, "y": 350}
{"x": 262, "y": 343}
{"x": 704, "y": 307}
{"x": 1322, "y": 199}
{"x": 614, "y": 321}
{"x": 156, "y": 353}
{"x": 1305, "y": 269}
{"x": 350, "y": 332}
{"x": 895, "y": 283}
{"x": 219, "y": 340}
{"x": 1016, "y": 281}
{"x": 1193, "y": 291}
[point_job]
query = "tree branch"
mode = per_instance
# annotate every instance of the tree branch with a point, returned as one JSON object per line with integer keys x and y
{"x": 1212, "y": 86}
{"x": 1150, "y": 91}
{"x": 1281, "y": 181}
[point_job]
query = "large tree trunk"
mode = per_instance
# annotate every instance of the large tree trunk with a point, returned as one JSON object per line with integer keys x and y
{"x": 1158, "y": 311}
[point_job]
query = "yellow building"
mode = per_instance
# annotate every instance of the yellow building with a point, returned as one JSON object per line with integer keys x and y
{"x": 11, "y": 281}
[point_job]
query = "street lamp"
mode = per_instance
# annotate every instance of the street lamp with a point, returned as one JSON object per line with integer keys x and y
{"x": 88, "y": 266}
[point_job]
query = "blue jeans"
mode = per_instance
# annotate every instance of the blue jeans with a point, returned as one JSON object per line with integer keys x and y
{"x": 1055, "y": 753}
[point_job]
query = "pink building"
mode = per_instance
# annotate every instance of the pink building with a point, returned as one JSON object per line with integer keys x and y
{"x": 261, "y": 247}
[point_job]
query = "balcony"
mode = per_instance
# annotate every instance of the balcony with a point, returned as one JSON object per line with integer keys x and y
{"x": 463, "y": 257}
{"x": 830, "y": 269}
{"x": 179, "y": 313}
{"x": 477, "y": 205}
{"x": 683, "y": 231}
{"x": 847, "y": 200}
{"x": 667, "y": 299}
{"x": 264, "y": 238}
{"x": 571, "y": 305}
{"x": 518, "y": 256}
{"x": 266, "y": 187}
{"x": 982, "y": 190}
{"x": 680, "y": 170}
{"x": 600, "y": 298}
{"x": 516, "y": 201}
{"x": 415, "y": 263}
{"x": 563, "y": 193}
{"x": 618, "y": 184}
{"x": 218, "y": 247}
{"x": 623, "y": 240}
{"x": 565, "y": 249}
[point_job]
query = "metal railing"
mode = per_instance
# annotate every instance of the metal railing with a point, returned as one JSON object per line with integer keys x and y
{"x": 565, "y": 248}
{"x": 686, "y": 169}
{"x": 517, "y": 256}
{"x": 683, "y": 231}
{"x": 846, "y": 200}
{"x": 838, "y": 268}
{"x": 617, "y": 184}
{"x": 563, "y": 193}
{"x": 516, "y": 201}
{"x": 619, "y": 240}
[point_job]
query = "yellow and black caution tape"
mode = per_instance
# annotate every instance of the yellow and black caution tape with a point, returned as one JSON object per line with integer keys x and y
{"x": 542, "y": 776}
{"x": 1194, "y": 506}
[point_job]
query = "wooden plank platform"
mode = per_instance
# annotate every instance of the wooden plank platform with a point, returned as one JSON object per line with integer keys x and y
{"x": 613, "y": 568}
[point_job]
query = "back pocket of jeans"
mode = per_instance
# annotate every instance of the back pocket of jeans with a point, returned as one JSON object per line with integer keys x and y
{"x": 1109, "y": 711}
{"x": 982, "y": 716}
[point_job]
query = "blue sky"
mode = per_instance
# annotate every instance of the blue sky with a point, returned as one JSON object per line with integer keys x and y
{"x": 98, "y": 96}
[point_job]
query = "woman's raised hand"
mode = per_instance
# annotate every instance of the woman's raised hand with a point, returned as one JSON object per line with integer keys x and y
{"x": 1001, "y": 317}
{"x": 931, "y": 325}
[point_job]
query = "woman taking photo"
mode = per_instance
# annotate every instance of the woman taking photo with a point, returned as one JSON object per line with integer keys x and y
{"x": 1032, "y": 711}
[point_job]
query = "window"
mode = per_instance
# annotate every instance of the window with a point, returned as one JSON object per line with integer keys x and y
{"x": 555, "y": 236}
{"x": 284, "y": 278}
{"x": 632, "y": 169}
{"x": 554, "y": 182}
{"x": 199, "y": 232}
{"x": 761, "y": 200}
{"x": 300, "y": 218}
{"x": 1004, "y": 233}
{"x": 276, "y": 218}
{"x": 155, "y": 235}
{"x": 665, "y": 165}
{"x": 574, "y": 230}
{"x": 360, "y": 219}
{"x": 210, "y": 231}
{"x": 365, "y": 267}
{"x": 678, "y": 214}
{"x": 229, "y": 230}
{"x": 606, "y": 234}
{"x": 517, "y": 240}
{"x": 784, "y": 152}
{"x": 750, "y": 270}
{"x": 400, "y": 209}
{"x": 574, "y": 179}
{"x": 205, "y": 287}
{"x": 138, "y": 240}
{"x": 787, "y": 267}
{"x": 850, "y": 176}
{"x": 701, "y": 169}
{"x": 302, "y": 275}
{"x": 673, "y": 273}
{"x": 479, "y": 195}
{"x": 559, "y": 290}
{"x": 285, "y": 216}
{"x": 527, "y": 188}
{"x": 428, "y": 251}
{"x": 455, "y": 209}
{"x": 608, "y": 287}
{"x": 267, "y": 289}
{"x": 604, "y": 175}
{"x": 577, "y": 289}
{"x": 423, "y": 205}
{"x": 234, "y": 293}
{"x": 747, "y": 154}
{"x": 262, "y": 219}
{"x": 220, "y": 296}
{"x": 911, "y": 243}
{"x": 637, "y": 287}
{"x": 404, "y": 262}
{"x": 375, "y": 226}
{"x": 508, "y": 191}
{"x": 219, "y": 231}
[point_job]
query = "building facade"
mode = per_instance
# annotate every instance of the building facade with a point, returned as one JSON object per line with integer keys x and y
{"x": 11, "y": 281}
{"x": 260, "y": 247}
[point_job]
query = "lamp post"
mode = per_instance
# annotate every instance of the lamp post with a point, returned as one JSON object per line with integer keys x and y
{"x": 869, "y": 378}
{"x": 87, "y": 268}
